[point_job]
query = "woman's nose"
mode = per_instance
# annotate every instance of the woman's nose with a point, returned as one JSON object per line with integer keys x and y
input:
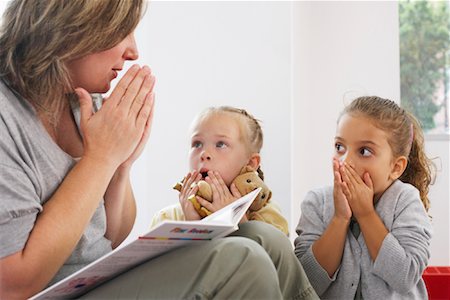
{"x": 131, "y": 51}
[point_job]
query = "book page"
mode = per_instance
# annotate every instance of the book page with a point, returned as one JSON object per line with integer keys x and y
{"x": 187, "y": 230}
{"x": 109, "y": 265}
{"x": 233, "y": 212}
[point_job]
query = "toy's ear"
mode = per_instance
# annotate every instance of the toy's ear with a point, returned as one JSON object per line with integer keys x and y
{"x": 254, "y": 161}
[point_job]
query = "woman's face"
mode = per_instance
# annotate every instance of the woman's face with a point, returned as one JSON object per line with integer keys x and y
{"x": 94, "y": 72}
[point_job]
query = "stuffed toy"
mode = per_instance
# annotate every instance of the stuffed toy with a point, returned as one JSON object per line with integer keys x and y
{"x": 246, "y": 182}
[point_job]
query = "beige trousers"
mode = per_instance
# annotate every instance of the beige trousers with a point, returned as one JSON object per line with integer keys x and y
{"x": 256, "y": 262}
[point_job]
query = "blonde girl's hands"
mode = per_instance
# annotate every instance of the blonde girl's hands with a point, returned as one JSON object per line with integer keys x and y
{"x": 358, "y": 191}
{"x": 186, "y": 191}
{"x": 341, "y": 206}
{"x": 222, "y": 196}
{"x": 113, "y": 134}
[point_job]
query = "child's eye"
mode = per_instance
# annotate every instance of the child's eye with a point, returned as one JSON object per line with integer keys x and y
{"x": 339, "y": 148}
{"x": 196, "y": 144}
{"x": 365, "y": 152}
{"x": 220, "y": 144}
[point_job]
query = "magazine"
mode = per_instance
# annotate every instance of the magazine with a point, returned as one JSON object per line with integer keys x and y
{"x": 164, "y": 237}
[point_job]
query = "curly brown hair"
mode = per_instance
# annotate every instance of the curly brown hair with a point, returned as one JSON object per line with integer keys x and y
{"x": 405, "y": 138}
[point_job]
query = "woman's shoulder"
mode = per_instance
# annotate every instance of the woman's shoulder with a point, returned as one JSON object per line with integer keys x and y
{"x": 14, "y": 106}
{"x": 6, "y": 94}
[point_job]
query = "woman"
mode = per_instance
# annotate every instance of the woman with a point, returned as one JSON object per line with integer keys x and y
{"x": 66, "y": 197}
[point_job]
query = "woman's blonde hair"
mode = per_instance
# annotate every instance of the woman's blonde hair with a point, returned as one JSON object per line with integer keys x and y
{"x": 38, "y": 38}
{"x": 405, "y": 138}
{"x": 251, "y": 130}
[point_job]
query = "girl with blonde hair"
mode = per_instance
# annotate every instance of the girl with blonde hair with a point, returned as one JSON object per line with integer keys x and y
{"x": 224, "y": 140}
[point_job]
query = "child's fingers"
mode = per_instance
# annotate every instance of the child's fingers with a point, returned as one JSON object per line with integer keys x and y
{"x": 336, "y": 174}
{"x": 234, "y": 191}
{"x": 345, "y": 190}
{"x": 192, "y": 190}
{"x": 188, "y": 181}
{"x": 215, "y": 192}
{"x": 353, "y": 175}
{"x": 195, "y": 178}
{"x": 337, "y": 177}
{"x": 183, "y": 197}
{"x": 216, "y": 184}
{"x": 368, "y": 180}
{"x": 206, "y": 204}
{"x": 186, "y": 178}
{"x": 222, "y": 185}
{"x": 344, "y": 174}
{"x": 335, "y": 163}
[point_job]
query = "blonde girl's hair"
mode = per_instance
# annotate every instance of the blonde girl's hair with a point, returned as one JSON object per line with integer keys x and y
{"x": 38, "y": 38}
{"x": 405, "y": 138}
{"x": 250, "y": 127}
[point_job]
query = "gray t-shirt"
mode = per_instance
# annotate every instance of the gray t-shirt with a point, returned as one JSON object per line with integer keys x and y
{"x": 32, "y": 167}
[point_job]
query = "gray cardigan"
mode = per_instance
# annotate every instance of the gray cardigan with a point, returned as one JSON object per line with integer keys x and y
{"x": 397, "y": 271}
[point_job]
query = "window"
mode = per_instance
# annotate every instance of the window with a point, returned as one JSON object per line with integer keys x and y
{"x": 425, "y": 62}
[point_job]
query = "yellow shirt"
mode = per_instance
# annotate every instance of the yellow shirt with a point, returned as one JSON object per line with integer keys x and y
{"x": 270, "y": 214}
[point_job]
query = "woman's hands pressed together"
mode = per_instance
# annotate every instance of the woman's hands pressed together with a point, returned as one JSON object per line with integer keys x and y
{"x": 117, "y": 133}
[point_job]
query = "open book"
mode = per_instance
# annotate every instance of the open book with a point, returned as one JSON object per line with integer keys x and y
{"x": 166, "y": 236}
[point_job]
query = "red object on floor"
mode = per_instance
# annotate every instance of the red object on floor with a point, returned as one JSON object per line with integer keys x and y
{"x": 437, "y": 280}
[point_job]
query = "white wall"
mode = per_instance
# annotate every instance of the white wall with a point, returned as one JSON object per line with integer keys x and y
{"x": 438, "y": 148}
{"x": 343, "y": 50}
{"x": 3, "y": 4}
{"x": 213, "y": 53}
{"x": 292, "y": 64}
